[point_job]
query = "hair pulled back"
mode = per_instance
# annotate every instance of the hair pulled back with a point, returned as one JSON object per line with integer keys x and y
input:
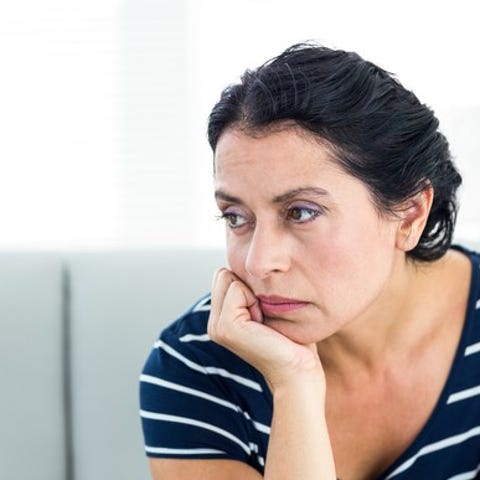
{"x": 377, "y": 130}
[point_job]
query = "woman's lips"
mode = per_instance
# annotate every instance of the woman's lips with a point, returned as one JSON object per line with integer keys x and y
{"x": 274, "y": 306}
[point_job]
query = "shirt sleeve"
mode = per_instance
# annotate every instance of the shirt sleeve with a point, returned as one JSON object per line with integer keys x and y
{"x": 186, "y": 404}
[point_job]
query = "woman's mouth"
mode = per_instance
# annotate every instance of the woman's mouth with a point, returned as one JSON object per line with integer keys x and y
{"x": 273, "y": 306}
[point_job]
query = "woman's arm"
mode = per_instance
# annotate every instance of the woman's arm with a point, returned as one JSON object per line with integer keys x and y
{"x": 299, "y": 445}
{"x": 173, "y": 469}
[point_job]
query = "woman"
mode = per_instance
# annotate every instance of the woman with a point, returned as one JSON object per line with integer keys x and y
{"x": 342, "y": 334}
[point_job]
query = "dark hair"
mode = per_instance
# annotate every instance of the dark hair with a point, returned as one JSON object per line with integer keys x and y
{"x": 378, "y": 131}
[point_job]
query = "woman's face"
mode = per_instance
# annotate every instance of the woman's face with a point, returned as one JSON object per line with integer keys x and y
{"x": 302, "y": 229}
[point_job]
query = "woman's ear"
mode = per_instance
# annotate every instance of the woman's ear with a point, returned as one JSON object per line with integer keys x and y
{"x": 414, "y": 215}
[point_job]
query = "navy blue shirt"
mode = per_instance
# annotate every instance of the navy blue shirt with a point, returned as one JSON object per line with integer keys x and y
{"x": 199, "y": 400}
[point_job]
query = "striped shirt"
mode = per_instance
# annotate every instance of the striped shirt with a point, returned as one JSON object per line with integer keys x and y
{"x": 199, "y": 400}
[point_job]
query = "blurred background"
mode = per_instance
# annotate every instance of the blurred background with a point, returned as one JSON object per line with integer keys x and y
{"x": 107, "y": 219}
{"x": 103, "y": 105}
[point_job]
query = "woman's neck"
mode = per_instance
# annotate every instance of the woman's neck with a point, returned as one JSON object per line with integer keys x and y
{"x": 400, "y": 318}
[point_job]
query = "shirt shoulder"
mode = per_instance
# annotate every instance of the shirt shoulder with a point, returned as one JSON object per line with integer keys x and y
{"x": 199, "y": 400}
{"x": 187, "y": 336}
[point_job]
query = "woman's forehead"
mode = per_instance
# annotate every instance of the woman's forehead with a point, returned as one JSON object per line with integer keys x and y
{"x": 282, "y": 164}
{"x": 286, "y": 150}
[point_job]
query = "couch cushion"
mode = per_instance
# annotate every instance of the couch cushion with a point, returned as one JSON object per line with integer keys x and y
{"x": 32, "y": 441}
{"x": 120, "y": 302}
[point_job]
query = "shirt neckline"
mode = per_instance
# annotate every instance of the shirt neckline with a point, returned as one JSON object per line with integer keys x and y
{"x": 418, "y": 441}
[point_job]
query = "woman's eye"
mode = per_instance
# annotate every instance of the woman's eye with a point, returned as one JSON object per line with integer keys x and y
{"x": 234, "y": 220}
{"x": 302, "y": 214}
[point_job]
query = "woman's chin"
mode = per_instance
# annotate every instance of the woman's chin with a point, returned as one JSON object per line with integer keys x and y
{"x": 297, "y": 333}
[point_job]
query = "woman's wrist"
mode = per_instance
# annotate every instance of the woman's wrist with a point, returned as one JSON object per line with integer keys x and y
{"x": 305, "y": 382}
{"x": 299, "y": 427}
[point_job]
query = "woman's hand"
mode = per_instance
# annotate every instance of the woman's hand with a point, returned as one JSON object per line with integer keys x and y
{"x": 293, "y": 372}
{"x": 236, "y": 322}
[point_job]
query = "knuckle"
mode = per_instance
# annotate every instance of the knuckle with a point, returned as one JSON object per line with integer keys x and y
{"x": 226, "y": 276}
{"x": 211, "y": 326}
{"x": 220, "y": 332}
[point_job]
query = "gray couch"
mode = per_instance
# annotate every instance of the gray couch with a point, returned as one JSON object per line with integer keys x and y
{"x": 75, "y": 331}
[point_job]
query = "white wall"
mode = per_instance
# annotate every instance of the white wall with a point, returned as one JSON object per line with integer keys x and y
{"x": 103, "y": 104}
{"x": 61, "y": 114}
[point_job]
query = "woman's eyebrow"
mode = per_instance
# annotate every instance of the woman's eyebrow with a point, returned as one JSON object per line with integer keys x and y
{"x": 290, "y": 194}
{"x": 221, "y": 195}
{"x": 284, "y": 197}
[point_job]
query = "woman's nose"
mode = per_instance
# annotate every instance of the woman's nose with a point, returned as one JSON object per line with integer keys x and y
{"x": 268, "y": 252}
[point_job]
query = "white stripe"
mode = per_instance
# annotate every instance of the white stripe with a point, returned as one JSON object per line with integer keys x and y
{"x": 261, "y": 427}
{"x": 466, "y": 475}
{"x": 254, "y": 448}
{"x": 208, "y": 370}
{"x": 193, "y": 451}
{"x": 196, "y": 423}
{"x": 205, "y": 308}
{"x": 474, "y": 348}
{"x": 190, "y": 337}
{"x": 477, "y": 305}
{"x": 198, "y": 393}
{"x": 182, "y": 451}
{"x": 463, "y": 394}
{"x": 201, "y": 307}
{"x": 191, "y": 391}
{"x": 433, "y": 447}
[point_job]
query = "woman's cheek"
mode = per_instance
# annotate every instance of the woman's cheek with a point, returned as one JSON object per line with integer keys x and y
{"x": 236, "y": 257}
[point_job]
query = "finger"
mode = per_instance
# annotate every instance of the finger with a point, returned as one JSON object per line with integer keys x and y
{"x": 237, "y": 329}
{"x": 221, "y": 282}
{"x": 256, "y": 312}
{"x": 252, "y": 303}
{"x": 238, "y": 302}
{"x": 234, "y": 310}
